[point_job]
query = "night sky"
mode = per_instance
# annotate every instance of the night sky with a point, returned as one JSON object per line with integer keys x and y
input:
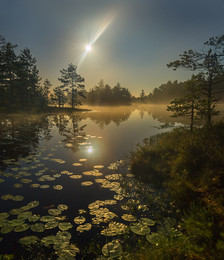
{"x": 139, "y": 38}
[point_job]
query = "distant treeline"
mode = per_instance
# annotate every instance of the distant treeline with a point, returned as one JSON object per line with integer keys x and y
{"x": 103, "y": 94}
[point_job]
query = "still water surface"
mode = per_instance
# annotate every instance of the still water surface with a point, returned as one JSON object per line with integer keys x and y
{"x": 40, "y": 153}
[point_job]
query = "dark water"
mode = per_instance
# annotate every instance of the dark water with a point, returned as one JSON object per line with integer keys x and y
{"x": 31, "y": 143}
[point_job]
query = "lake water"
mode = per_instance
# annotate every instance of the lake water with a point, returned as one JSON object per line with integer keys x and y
{"x": 63, "y": 159}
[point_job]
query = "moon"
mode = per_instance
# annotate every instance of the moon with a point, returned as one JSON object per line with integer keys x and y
{"x": 88, "y": 47}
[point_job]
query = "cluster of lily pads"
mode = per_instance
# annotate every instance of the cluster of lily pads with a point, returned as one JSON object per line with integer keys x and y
{"x": 101, "y": 214}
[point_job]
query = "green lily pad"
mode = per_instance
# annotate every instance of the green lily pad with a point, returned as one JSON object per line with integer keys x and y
{"x": 25, "y": 215}
{"x": 62, "y": 207}
{"x": 44, "y": 186}
{"x": 34, "y": 218}
{"x": 128, "y": 217}
{"x": 87, "y": 183}
{"x": 76, "y": 176}
{"x": 79, "y": 220}
{"x": 33, "y": 204}
{"x": 114, "y": 228}
{"x": 139, "y": 229}
{"x": 18, "y": 198}
{"x": 65, "y": 226}
{"x": 3, "y": 215}
{"x": 17, "y": 185}
{"x": 7, "y": 229}
{"x": 153, "y": 238}
{"x": 58, "y": 187}
{"x": 51, "y": 225}
{"x": 63, "y": 235}
{"x": 54, "y": 212}
{"x": 85, "y": 227}
{"x": 49, "y": 240}
{"x": 16, "y": 222}
{"x": 22, "y": 228}
{"x": 112, "y": 249}
{"x": 147, "y": 221}
{"x": 47, "y": 218}
{"x": 38, "y": 227}
{"x": 16, "y": 211}
{"x": 29, "y": 240}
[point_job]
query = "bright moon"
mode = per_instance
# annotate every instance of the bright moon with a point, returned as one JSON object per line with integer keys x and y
{"x": 88, "y": 47}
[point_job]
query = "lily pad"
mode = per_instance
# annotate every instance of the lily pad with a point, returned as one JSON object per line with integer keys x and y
{"x": 85, "y": 227}
{"x": 44, "y": 186}
{"x": 29, "y": 240}
{"x": 33, "y": 204}
{"x": 17, "y": 185}
{"x": 16, "y": 222}
{"x": 77, "y": 164}
{"x": 79, "y": 220}
{"x": 65, "y": 226}
{"x": 62, "y": 207}
{"x": 25, "y": 215}
{"x": 51, "y": 225}
{"x": 147, "y": 221}
{"x": 63, "y": 235}
{"x": 22, "y": 228}
{"x": 58, "y": 187}
{"x": 153, "y": 238}
{"x": 49, "y": 240}
{"x": 34, "y": 218}
{"x": 139, "y": 229}
{"x": 54, "y": 212}
{"x": 76, "y": 176}
{"x": 114, "y": 228}
{"x": 98, "y": 166}
{"x": 87, "y": 183}
{"x": 112, "y": 249}
{"x": 7, "y": 229}
{"x": 38, "y": 227}
{"x": 128, "y": 217}
{"x": 47, "y": 218}
{"x": 3, "y": 215}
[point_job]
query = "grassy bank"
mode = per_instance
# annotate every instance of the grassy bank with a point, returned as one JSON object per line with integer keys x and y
{"x": 190, "y": 167}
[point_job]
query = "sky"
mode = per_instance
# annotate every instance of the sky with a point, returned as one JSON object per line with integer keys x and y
{"x": 133, "y": 40}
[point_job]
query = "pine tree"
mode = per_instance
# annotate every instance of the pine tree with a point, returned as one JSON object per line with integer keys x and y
{"x": 72, "y": 83}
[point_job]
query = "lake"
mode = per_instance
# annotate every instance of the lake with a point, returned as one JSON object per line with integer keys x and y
{"x": 63, "y": 177}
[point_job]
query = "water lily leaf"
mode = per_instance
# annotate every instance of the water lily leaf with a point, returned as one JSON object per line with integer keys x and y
{"x": 24, "y": 215}
{"x": 58, "y": 187}
{"x": 82, "y": 211}
{"x": 17, "y": 185}
{"x": 22, "y": 228}
{"x": 63, "y": 235}
{"x": 54, "y": 212}
{"x": 98, "y": 166}
{"x": 128, "y": 217}
{"x": 112, "y": 249}
{"x": 139, "y": 229}
{"x": 35, "y": 185}
{"x": 114, "y": 228}
{"x": 47, "y": 218}
{"x": 77, "y": 164}
{"x": 62, "y": 207}
{"x": 51, "y": 225}
{"x": 153, "y": 238}
{"x": 7, "y": 229}
{"x": 84, "y": 227}
{"x": 33, "y": 204}
{"x": 49, "y": 240}
{"x": 18, "y": 198}
{"x": 34, "y": 218}
{"x": 25, "y": 180}
{"x": 38, "y": 227}
{"x": 79, "y": 220}
{"x": 65, "y": 226}
{"x": 76, "y": 176}
{"x": 147, "y": 221}
{"x": 3, "y": 215}
{"x": 2, "y": 180}
{"x": 118, "y": 197}
{"x": 57, "y": 160}
{"x": 44, "y": 186}
{"x": 86, "y": 183}
{"x": 16, "y": 222}
{"x": 83, "y": 160}
{"x": 29, "y": 240}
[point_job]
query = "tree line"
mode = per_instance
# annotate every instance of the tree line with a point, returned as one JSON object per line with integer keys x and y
{"x": 20, "y": 86}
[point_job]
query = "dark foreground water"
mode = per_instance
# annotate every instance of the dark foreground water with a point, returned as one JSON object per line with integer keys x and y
{"x": 62, "y": 179}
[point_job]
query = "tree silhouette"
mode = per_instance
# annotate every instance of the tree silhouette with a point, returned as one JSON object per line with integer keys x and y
{"x": 210, "y": 63}
{"x": 72, "y": 83}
